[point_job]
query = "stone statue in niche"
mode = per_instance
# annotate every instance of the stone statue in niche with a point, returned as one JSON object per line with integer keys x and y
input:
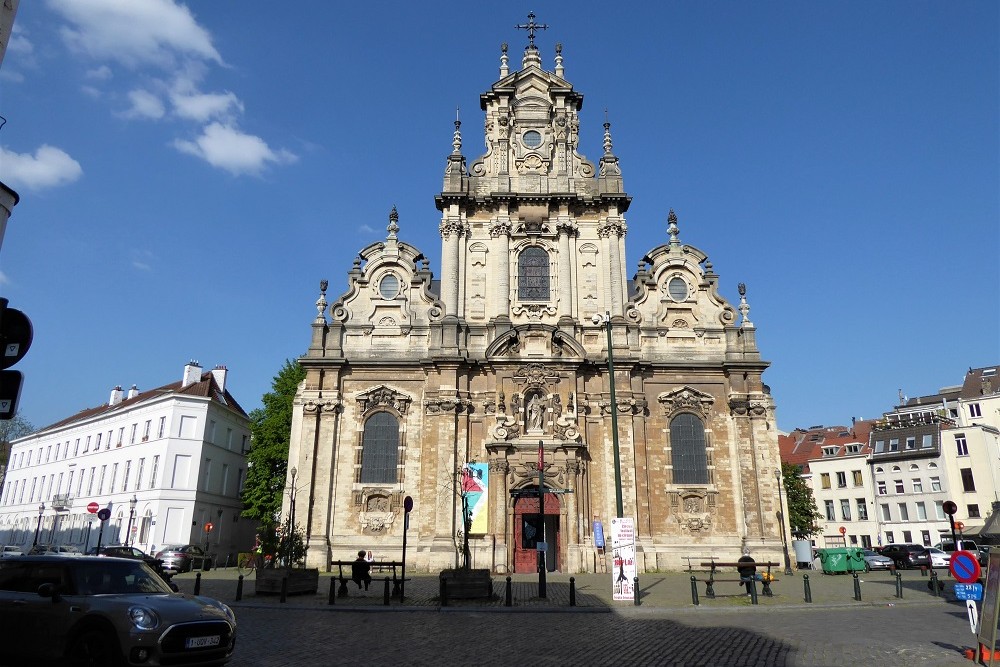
{"x": 535, "y": 413}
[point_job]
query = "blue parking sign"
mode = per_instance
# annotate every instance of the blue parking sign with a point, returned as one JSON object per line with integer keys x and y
{"x": 969, "y": 591}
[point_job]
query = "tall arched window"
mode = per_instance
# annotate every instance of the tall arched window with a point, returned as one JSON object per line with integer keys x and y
{"x": 380, "y": 449}
{"x": 533, "y": 275}
{"x": 687, "y": 447}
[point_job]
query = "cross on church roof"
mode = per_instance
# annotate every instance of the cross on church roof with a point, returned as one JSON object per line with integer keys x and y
{"x": 531, "y": 27}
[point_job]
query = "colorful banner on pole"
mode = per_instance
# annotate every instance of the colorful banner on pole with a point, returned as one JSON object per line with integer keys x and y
{"x": 623, "y": 553}
{"x": 475, "y": 487}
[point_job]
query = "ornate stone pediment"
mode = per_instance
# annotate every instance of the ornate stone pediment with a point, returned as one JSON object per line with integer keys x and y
{"x": 686, "y": 399}
{"x": 693, "y": 509}
{"x": 377, "y": 512}
{"x": 383, "y": 396}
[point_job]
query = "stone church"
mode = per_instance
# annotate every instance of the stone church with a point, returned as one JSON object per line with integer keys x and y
{"x": 417, "y": 386}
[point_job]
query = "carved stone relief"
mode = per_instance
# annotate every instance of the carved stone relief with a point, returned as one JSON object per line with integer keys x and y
{"x": 686, "y": 399}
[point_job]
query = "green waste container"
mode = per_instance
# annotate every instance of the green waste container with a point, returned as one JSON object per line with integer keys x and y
{"x": 855, "y": 559}
{"x": 834, "y": 560}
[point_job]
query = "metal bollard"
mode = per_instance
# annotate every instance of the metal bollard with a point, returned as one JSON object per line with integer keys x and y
{"x": 239, "y": 588}
{"x": 694, "y": 590}
{"x": 333, "y": 591}
{"x": 635, "y": 589}
{"x": 385, "y": 594}
{"x": 935, "y": 585}
{"x": 857, "y": 587}
{"x": 572, "y": 591}
{"x": 508, "y": 594}
{"x": 899, "y": 585}
{"x": 444, "y": 592}
{"x": 807, "y": 588}
{"x": 752, "y": 585}
{"x": 197, "y": 584}
{"x": 284, "y": 590}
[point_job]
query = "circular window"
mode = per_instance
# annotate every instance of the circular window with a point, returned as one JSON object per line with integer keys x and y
{"x": 532, "y": 139}
{"x": 677, "y": 288}
{"x": 388, "y": 287}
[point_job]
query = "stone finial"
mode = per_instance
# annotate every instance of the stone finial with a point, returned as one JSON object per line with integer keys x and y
{"x": 321, "y": 301}
{"x": 456, "y": 141}
{"x": 393, "y": 226}
{"x": 744, "y": 307}
{"x": 504, "y": 66}
{"x": 672, "y": 228}
{"x": 559, "y": 61}
{"x": 607, "y": 134}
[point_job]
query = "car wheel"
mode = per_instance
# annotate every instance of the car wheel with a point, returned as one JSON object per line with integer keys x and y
{"x": 94, "y": 647}
{"x": 868, "y": 568}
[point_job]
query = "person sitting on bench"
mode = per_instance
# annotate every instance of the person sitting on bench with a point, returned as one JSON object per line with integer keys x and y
{"x": 361, "y": 570}
{"x": 748, "y": 570}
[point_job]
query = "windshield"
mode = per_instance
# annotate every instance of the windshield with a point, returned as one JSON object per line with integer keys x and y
{"x": 117, "y": 578}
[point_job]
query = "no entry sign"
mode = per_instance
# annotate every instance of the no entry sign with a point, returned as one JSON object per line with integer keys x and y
{"x": 93, "y": 507}
{"x": 964, "y": 567}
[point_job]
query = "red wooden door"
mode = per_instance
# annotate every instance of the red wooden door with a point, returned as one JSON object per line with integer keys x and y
{"x": 528, "y": 533}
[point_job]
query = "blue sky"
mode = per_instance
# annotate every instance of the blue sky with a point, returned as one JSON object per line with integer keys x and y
{"x": 189, "y": 173}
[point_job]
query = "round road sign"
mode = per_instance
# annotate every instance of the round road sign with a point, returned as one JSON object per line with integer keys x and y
{"x": 93, "y": 507}
{"x": 408, "y": 504}
{"x": 959, "y": 525}
{"x": 843, "y": 530}
{"x": 964, "y": 567}
{"x": 949, "y": 507}
{"x": 104, "y": 514}
{"x": 209, "y": 526}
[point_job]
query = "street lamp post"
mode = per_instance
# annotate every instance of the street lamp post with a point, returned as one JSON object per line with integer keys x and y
{"x": 131, "y": 516}
{"x": 38, "y": 526}
{"x": 606, "y": 321}
{"x": 291, "y": 520}
{"x": 781, "y": 521}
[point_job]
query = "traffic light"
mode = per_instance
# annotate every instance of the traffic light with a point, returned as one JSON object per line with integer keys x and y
{"x": 15, "y": 339}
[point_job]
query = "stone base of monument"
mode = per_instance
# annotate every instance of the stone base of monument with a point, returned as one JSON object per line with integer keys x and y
{"x": 466, "y": 584}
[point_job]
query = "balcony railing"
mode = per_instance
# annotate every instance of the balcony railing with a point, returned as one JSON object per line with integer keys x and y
{"x": 62, "y": 502}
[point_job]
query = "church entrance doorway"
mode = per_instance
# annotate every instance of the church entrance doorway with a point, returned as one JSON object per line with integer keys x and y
{"x": 528, "y": 527}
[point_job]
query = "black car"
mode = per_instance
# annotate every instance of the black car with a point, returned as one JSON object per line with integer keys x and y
{"x": 906, "y": 556}
{"x": 123, "y": 551}
{"x": 105, "y": 611}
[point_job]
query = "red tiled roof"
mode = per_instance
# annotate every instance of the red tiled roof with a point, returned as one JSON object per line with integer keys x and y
{"x": 206, "y": 387}
{"x": 803, "y": 445}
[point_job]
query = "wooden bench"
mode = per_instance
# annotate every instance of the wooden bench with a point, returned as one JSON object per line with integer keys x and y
{"x": 381, "y": 566}
{"x": 714, "y": 565}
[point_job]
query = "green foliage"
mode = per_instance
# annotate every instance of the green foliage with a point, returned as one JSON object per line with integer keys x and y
{"x": 267, "y": 461}
{"x": 802, "y": 511}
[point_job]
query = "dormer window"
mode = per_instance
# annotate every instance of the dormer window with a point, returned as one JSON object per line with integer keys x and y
{"x": 388, "y": 287}
{"x": 531, "y": 139}
{"x": 830, "y": 451}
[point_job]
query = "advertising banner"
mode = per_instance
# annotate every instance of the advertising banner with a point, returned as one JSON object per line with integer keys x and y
{"x": 475, "y": 487}
{"x": 623, "y": 557}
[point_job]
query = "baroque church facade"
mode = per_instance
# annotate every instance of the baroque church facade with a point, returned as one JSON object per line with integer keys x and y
{"x": 463, "y": 393}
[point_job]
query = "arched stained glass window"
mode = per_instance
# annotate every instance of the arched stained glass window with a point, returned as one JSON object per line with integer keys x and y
{"x": 533, "y": 275}
{"x": 687, "y": 448}
{"x": 380, "y": 449}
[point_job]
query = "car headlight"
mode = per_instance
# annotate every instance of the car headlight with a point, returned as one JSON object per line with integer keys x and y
{"x": 143, "y": 618}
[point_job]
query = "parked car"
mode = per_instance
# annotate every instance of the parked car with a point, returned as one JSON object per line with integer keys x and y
{"x": 106, "y": 611}
{"x": 874, "y": 561}
{"x": 983, "y": 555}
{"x": 938, "y": 558}
{"x": 10, "y": 550}
{"x": 53, "y": 550}
{"x": 123, "y": 551}
{"x": 907, "y": 555}
{"x": 184, "y": 558}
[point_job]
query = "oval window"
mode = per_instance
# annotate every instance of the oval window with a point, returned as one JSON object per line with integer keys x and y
{"x": 532, "y": 139}
{"x": 389, "y": 286}
{"x": 677, "y": 288}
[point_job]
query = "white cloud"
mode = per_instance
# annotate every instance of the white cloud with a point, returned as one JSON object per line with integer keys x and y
{"x": 144, "y": 105}
{"x": 202, "y": 107}
{"x": 134, "y": 32}
{"x": 366, "y": 229}
{"x": 48, "y": 167}
{"x": 225, "y": 147}
{"x": 11, "y": 75}
{"x": 19, "y": 44}
{"x": 102, "y": 73}
{"x": 4, "y": 280}
{"x": 141, "y": 259}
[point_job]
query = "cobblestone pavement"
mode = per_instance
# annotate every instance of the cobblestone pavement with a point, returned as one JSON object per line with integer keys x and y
{"x": 666, "y": 629}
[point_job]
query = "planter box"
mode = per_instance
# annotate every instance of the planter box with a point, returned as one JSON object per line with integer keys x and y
{"x": 300, "y": 580}
{"x": 468, "y": 584}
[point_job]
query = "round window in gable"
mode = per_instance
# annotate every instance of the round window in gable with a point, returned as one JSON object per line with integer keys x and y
{"x": 388, "y": 287}
{"x": 677, "y": 288}
{"x": 532, "y": 139}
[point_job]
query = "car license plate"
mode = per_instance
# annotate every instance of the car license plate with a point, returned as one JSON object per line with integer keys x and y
{"x": 201, "y": 642}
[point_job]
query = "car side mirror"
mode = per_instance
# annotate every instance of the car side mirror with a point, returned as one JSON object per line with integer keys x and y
{"x": 50, "y": 590}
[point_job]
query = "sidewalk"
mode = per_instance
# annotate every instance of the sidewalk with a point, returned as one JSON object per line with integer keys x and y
{"x": 657, "y": 591}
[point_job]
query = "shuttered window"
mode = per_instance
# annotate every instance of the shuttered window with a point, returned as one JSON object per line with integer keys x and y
{"x": 380, "y": 449}
{"x": 687, "y": 446}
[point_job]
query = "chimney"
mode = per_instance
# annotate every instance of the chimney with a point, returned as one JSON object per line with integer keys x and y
{"x": 116, "y": 395}
{"x": 219, "y": 374}
{"x": 192, "y": 374}
{"x": 133, "y": 392}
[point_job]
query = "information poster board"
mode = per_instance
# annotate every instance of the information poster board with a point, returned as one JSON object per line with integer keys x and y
{"x": 988, "y": 617}
{"x": 623, "y": 553}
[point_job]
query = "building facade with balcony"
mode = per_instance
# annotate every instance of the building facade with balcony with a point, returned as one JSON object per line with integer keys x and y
{"x": 177, "y": 451}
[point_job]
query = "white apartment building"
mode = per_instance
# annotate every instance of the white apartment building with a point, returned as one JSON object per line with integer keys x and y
{"x": 177, "y": 451}
{"x": 842, "y": 484}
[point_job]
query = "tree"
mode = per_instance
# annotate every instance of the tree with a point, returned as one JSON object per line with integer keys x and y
{"x": 11, "y": 429}
{"x": 267, "y": 461}
{"x": 802, "y": 511}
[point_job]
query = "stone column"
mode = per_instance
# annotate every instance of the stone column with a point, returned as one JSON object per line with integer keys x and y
{"x": 565, "y": 227}
{"x": 500, "y": 232}
{"x": 320, "y": 516}
{"x": 451, "y": 230}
